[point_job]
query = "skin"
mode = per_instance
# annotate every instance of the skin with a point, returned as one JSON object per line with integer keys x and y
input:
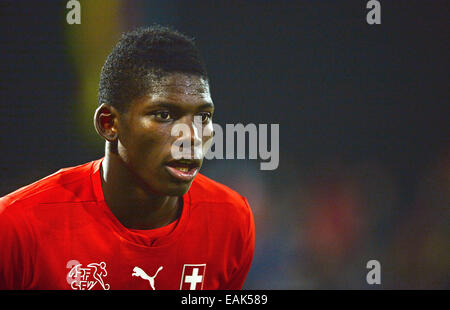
{"x": 136, "y": 184}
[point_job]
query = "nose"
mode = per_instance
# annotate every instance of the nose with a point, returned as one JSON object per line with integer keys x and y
{"x": 190, "y": 137}
{"x": 195, "y": 131}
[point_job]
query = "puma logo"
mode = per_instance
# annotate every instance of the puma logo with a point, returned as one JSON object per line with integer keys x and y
{"x": 138, "y": 272}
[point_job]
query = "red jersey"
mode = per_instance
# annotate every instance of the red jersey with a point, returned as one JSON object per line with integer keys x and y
{"x": 58, "y": 233}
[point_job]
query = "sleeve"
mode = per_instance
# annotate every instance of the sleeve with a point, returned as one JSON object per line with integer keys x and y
{"x": 14, "y": 264}
{"x": 248, "y": 248}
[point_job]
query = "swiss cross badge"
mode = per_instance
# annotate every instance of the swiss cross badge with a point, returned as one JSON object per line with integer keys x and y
{"x": 193, "y": 277}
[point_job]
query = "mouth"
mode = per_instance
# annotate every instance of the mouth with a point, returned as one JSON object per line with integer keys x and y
{"x": 183, "y": 169}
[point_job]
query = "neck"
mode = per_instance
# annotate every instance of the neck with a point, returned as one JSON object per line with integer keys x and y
{"x": 131, "y": 201}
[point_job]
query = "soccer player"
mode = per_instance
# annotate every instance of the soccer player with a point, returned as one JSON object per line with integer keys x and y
{"x": 138, "y": 218}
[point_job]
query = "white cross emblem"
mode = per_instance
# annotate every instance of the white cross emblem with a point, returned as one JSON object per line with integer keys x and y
{"x": 193, "y": 277}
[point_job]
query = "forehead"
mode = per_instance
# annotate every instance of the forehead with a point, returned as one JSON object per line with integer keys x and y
{"x": 180, "y": 88}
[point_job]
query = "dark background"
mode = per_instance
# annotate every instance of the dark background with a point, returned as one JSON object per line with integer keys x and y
{"x": 363, "y": 113}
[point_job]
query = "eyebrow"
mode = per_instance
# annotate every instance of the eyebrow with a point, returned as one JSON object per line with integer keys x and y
{"x": 176, "y": 105}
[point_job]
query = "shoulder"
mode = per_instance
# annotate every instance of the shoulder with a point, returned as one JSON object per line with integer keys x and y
{"x": 65, "y": 185}
{"x": 216, "y": 196}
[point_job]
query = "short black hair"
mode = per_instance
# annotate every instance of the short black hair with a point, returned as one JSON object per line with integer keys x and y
{"x": 143, "y": 56}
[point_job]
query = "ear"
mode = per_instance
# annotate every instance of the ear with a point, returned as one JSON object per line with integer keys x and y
{"x": 105, "y": 122}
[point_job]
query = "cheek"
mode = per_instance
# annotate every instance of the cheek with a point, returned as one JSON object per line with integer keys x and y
{"x": 144, "y": 141}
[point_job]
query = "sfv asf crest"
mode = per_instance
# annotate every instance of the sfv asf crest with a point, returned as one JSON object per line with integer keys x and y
{"x": 86, "y": 278}
{"x": 193, "y": 277}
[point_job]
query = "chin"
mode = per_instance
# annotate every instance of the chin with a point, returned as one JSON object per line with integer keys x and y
{"x": 168, "y": 187}
{"x": 178, "y": 189}
{"x": 162, "y": 182}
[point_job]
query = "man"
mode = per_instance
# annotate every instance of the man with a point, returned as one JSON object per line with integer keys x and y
{"x": 141, "y": 217}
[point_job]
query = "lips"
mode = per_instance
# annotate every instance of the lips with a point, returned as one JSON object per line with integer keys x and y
{"x": 183, "y": 169}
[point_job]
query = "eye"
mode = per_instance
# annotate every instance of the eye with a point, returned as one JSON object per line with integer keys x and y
{"x": 162, "y": 115}
{"x": 206, "y": 116}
